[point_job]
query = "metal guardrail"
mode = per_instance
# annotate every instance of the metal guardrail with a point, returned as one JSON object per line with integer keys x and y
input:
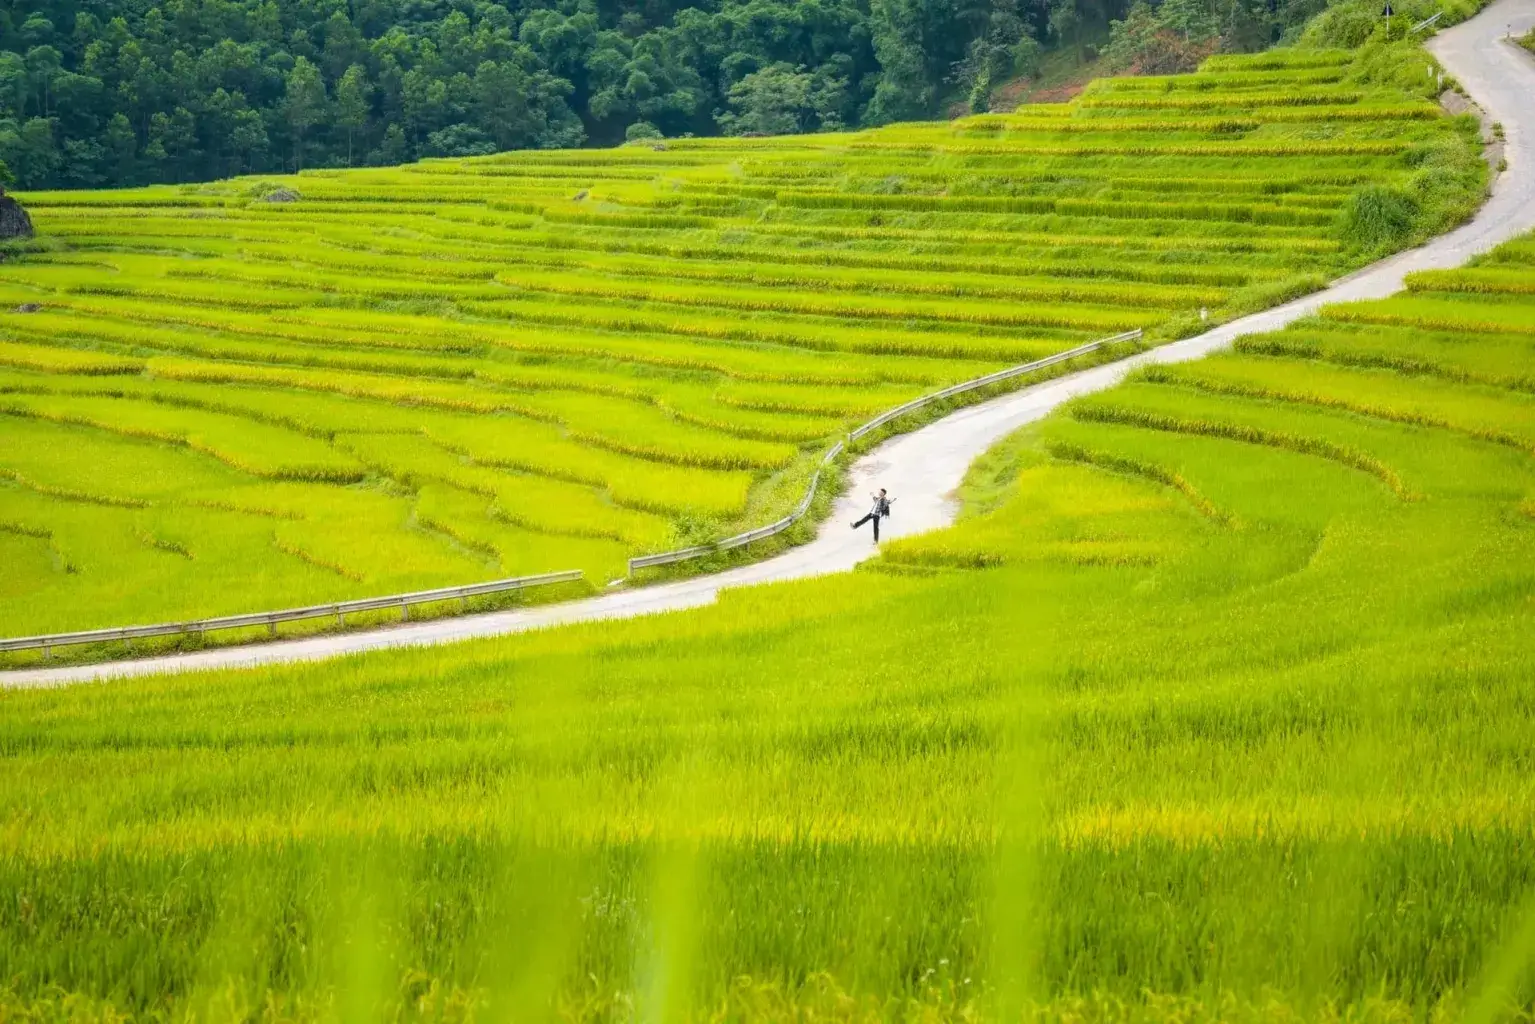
{"x": 1425, "y": 23}
{"x": 683, "y": 554}
{"x": 698, "y": 551}
{"x": 340, "y": 610}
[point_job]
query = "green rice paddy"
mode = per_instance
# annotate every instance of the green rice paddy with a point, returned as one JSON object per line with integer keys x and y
{"x": 1214, "y": 706}
{"x": 256, "y": 394}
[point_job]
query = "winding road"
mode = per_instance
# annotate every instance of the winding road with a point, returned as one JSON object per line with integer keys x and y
{"x": 924, "y": 467}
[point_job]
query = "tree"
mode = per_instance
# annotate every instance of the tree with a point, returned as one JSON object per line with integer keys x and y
{"x": 1066, "y": 22}
{"x": 393, "y": 150}
{"x": 344, "y": 46}
{"x": 83, "y": 163}
{"x": 980, "y": 94}
{"x": 425, "y": 102}
{"x": 37, "y": 30}
{"x": 1191, "y": 19}
{"x": 122, "y": 150}
{"x": 43, "y": 64}
{"x": 831, "y": 94}
{"x": 459, "y": 140}
{"x": 562, "y": 43}
{"x": 904, "y": 91}
{"x": 606, "y": 79}
{"x": 173, "y": 143}
{"x": 501, "y": 105}
{"x": 265, "y": 22}
{"x": 773, "y": 101}
{"x": 15, "y": 84}
{"x": 248, "y": 140}
{"x": 31, "y": 152}
{"x": 1142, "y": 42}
{"x": 661, "y": 85}
{"x": 303, "y": 104}
{"x": 1002, "y": 48}
{"x": 353, "y": 95}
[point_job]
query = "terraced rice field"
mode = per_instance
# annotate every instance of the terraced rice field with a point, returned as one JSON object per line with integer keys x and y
{"x": 462, "y": 370}
{"x": 1216, "y": 705}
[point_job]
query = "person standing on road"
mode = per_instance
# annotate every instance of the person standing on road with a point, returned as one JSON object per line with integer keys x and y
{"x": 880, "y": 510}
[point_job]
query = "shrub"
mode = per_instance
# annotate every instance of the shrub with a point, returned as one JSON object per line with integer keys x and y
{"x": 1346, "y": 25}
{"x": 1377, "y": 218}
{"x": 459, "y": 140}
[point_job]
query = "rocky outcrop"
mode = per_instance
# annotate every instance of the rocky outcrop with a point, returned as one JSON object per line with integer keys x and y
{"x": 14, "y": 222}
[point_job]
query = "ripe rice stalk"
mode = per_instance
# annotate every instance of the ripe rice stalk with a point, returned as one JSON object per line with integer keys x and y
{"x": 1499, "y": 420}
{"x": 1288, "y": 98}
{"x": 49, "y": 359}
{"x": 1238, "y": 150}
{"x": 877, "y": 307}
{"x": 1480, "y": 280}
{"x": 1300, "y": 444}
{"x": 1281, "y": 58}
{"x": 723, "y": 261}
{"x": 640, "y": 484}
{"x": 1500, "y": 362}
{"x": 665, "y": 274}
{"x": 1067, "y": 452}
{"x": 258, "y": 449}
{"x": 535, "y": 502}
{"x": 66, "y": 494}
{"x": 627, "y": 221}
{"x": 1219, "y": 80}
{"x": 1440, "y": 314}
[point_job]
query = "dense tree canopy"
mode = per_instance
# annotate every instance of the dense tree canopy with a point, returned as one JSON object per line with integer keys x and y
{"x": 111, "y": 92}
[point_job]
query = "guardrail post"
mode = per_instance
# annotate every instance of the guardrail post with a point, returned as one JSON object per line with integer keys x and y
{"x": 340, "y": 618}
{"x": 271, "y": 627}
{"x": 47, "y": 653}
{"x": 404, "y": 612}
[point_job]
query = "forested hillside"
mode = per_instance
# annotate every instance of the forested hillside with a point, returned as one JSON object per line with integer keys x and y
{"x": 124, "y": 92}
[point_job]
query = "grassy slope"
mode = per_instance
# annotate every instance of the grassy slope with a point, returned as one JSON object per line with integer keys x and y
{"x": 462, "y": 370}
{"x": 1234, "y": 723}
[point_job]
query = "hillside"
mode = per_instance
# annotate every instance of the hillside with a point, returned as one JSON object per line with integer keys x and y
{"x": 107, "y": 93}
{"x": 1214, "y": 707}
{"x": 267, "y": 392}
